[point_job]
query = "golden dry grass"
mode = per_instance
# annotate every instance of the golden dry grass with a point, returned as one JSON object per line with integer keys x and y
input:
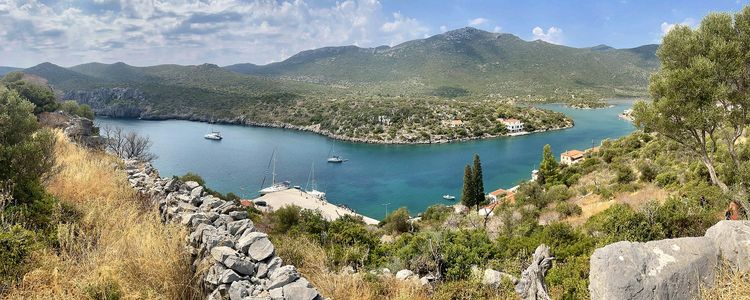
{"x": 593, "y": 204}
{"x": 311, "y": 260}
{"x": 116, "y": 243}
{"x": 730, "y": 284}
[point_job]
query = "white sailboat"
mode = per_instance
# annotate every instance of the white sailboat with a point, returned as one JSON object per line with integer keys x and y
{"x": 333, "y": 158}
{"x": 213, "y": 135}
{"x": 312, "y": 185}
{"x": 275, "y": 187}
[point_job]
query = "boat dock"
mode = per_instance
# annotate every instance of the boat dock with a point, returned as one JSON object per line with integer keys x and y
{"x": 302, "y": 199}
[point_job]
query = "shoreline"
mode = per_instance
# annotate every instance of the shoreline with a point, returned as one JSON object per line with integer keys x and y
{"x": 316, "y": 130}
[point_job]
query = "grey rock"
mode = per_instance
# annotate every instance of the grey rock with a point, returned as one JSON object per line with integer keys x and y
{"x": 732, "y": 239}
{"x": 276, "y": 294}
{"x": 235, "y": 226}
{"x": 404, "y": 274}
{"x": 213, "y": 276}
{"x": 495, "y": 278}
{"x": 241, "y": 265}
{"x": 221, "y": 253}
{"x": 196, "y": 192}
{"x": 427, "y": 279}
{"x": 222, "y": 220}
{"x": 239, "y": 290}
{"x": 665, "y": 269}
{"x": 256, "y": 245}
{"x": 238, "y": 215}
{"x": 190, "y": 185}
{"x": 299, "y": 290}
{"x": 283, "y": 276}
{"x": 266, "y": 268}
{"x": 229, "y": 276}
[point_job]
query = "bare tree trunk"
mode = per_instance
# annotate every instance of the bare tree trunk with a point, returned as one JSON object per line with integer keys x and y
{"x": 531, "y": 285}
{"x": 712, "y": 173}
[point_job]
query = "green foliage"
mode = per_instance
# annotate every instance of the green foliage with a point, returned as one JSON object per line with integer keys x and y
{"x": 557, "y": 193}
{"x": 567, "y": 209}
{"x": 478, "y": 180}
{"x": 648, "y": 171}
{"x": 620, "y": 222}
{"x": 531, "y": 192}
{"x": 397, "y": 222}
{"x": 468, "y": 193}
{"x": 450, "y": 92}
{"x": 190, "y": 176}
{"x": 41, "y": 96}
{"x": 436, "y": 213}
{"x": 547, "y": 167}
{"x": 665, "y": 179}
{"x": 16, "y": 244}
{"x": 624, "y": 174}
{"x": 82, "y": 110}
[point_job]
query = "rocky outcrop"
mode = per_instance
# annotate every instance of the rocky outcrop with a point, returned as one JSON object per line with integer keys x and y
{"x": 111, "y": 102}
{"x": 239, "y": 262}
{"x": 668, "y": 269}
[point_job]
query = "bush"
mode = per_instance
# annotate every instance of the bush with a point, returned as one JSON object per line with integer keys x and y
{"x": 557, "y": 193}
{"x": 567, "y": 209}
{"x": 15, "y": 247}
{"x": 436, "y": 213}
{"x": 648, "y": 171}
{"x": 397, "y": 221}
{"x": 666, "y": 178}
{"x": 190, "y": 176}
{"x": 82, "y": 110}
{"x": 41, "y": 96}
{"x": 620, "y": 222}
{"x": 624, "y": 174}
{"x": 531, "y": 193}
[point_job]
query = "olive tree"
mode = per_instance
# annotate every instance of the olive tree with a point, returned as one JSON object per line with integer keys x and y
{"x": 701, "y": 93}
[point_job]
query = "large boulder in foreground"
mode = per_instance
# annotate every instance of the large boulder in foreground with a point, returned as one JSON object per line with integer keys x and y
{"x": 732, "y": 238}
{"x": 665, "y": 269}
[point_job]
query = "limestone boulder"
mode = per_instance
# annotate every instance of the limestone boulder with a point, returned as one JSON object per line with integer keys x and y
{"x": 283, "y": 276}
{"x": 664, "y": 269}
{"x": 404, "y": 274}
{"x": 732, "y": 239}
{"x": 256, "y": 245}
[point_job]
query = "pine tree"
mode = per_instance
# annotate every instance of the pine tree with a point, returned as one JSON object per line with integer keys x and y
{"x": 478, "y": 181}
{"x": 548, "y": 166}
{"x": 468, "y": 194}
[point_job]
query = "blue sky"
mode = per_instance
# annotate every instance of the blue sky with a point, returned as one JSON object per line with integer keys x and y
{"x": 148, "y": 32}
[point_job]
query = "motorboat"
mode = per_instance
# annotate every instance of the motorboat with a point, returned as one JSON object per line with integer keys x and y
{"x": 214, "y": 135}
{"x": 336, "y": 159}
{"x": 449, "y": 197}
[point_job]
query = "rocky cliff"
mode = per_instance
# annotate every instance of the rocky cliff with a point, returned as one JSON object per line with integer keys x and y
{"x": 112, "y": 102}
{"x": 233, "y": 259}
{"x": 671, "y": 268}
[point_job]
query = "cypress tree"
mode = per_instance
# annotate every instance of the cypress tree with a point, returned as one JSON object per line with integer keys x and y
{"x": 548, "y": 166}
{"x": 468, "y": 194}
{"x": 478, "y": 182}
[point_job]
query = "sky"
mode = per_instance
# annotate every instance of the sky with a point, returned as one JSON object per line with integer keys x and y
{"x": 223, "y": 32}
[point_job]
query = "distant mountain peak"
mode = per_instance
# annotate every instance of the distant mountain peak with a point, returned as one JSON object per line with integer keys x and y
{"x": 602, "y": 47}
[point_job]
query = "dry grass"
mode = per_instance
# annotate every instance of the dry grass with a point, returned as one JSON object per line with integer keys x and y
{"x": 730, "y": 284}
{"x": 311, "y": 260}
{"x": 593, "y": 204}
{"x": 116, "y": 247}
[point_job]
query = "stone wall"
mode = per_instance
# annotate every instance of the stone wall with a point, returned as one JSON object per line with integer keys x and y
{"x": 671, "y": 268}
{"x": 235, "y": 260}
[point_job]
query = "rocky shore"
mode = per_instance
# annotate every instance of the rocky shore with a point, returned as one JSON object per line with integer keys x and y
{"x": 233, "y": 259}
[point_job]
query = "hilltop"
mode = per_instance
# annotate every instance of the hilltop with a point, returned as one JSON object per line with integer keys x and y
{"x": 473, "y": 60}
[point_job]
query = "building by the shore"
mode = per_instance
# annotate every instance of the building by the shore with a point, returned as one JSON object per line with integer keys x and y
{"x": 571, "y": 157}
{"x": 513, "y": 125}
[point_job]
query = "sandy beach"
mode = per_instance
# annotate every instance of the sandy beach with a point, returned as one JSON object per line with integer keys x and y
{"x": 297, "y": 197}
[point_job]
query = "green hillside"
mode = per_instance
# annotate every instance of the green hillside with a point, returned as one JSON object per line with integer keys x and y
{"x": 6, "y": 70}
{"x": 483, "y": 63}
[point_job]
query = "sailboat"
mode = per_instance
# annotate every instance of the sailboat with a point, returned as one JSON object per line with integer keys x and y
{"x": 312, "y": 184}
{"x": 213, "y": 135}
{"x": 333, "y": 158}
{"x": 275, "y": 187}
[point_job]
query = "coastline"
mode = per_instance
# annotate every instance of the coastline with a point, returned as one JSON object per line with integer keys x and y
{"x": 316, "y": 129}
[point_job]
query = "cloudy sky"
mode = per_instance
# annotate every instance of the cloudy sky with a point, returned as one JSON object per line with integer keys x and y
{"x": 148, "y": 32}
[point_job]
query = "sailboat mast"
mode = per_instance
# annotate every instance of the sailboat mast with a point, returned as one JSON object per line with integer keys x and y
{"x": 273, "y": 170}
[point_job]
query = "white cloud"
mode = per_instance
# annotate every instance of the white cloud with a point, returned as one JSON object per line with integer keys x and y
{"x": 145, "y": 32}
{"x": 497, "y": 29}
{"x": 553, "y": 35}
{"x": 478, "y": 21}
{"x": 666, "y": 27}
{"x": 443, "y": 28}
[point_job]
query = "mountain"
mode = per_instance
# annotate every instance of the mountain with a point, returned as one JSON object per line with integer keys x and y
{"x": 6, "y": 70}
{"x": 475, "y": 60}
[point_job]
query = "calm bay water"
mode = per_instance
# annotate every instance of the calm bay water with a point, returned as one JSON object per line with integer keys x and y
{"x": 415, "y": 176}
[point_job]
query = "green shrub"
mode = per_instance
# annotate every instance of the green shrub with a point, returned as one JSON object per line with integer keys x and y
{"x": 567, "y": 209}
{"x": 557, "y": 193}
{"x": 82, "y": 110}
{"x": 648, "y": 171}
{"x": 16, "y": 244}
{"x": 436, "y": 213}
{"x": 666, "y": 179}
{"x": 620, "y": 222}
{"x": 624, "y": 174}
{"x": 397, "y": 221}
{"x": 190, "y": 176}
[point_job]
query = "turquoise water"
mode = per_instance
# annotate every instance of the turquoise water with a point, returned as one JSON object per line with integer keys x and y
{"x": 415, "y": 176}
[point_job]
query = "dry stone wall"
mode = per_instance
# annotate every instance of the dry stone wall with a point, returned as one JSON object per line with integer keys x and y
{"x": 236, "y": 261}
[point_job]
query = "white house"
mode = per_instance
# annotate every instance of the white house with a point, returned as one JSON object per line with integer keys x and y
{"x": 513, "y": 125}
{"x": 572, "y": 156}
